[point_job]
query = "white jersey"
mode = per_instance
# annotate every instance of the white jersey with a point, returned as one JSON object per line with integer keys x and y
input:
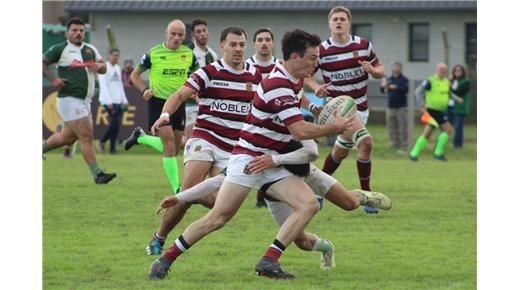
{"x": 111, "y": 89}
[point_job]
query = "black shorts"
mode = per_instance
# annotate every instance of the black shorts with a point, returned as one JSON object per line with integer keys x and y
{"x": 438, "y": 116}
{"x": 177, "y": 120}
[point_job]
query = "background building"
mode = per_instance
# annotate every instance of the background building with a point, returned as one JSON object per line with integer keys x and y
{"x": 410, "y": 32}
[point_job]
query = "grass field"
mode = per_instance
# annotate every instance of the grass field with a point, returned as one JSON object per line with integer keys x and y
{"x": 94, "y": 236}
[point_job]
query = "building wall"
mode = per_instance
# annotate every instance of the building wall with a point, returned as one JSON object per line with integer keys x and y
{"x": 53, "y": 10}
{"x": 136, "y": 32}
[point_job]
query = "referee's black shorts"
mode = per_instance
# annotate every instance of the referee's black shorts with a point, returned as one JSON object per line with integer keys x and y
{"x": 438, "y": 116}
{"x": 155, "y": 106}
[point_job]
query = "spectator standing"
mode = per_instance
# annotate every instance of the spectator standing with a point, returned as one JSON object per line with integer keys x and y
{"x": 396, "y": 86}
{"x": 460, "y": 87}
{"x": 113, "y": 98}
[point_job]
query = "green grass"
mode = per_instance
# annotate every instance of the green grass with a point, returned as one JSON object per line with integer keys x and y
{"x": 94, "y": 236}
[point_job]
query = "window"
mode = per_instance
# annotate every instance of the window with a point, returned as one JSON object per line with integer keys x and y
{"x": 471, "y": 44}
{"x": 362, "y": 30}
{"x": 419, "y": 42}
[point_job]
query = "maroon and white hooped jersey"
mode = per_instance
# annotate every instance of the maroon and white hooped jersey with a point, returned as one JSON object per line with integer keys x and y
{"x": 275, "y": 106}
{"x": 339, "y": 66}
{"x": 264, "y": 67}
{"x": 225, "y": 96}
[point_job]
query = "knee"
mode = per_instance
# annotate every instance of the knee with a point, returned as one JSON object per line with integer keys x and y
{"x": 312, "y": 207}
{"x": 169, "y": 148}
{"x": 339, "y": 154}
{"x": 217, "y": 222}
{"x": 366, "y": 144}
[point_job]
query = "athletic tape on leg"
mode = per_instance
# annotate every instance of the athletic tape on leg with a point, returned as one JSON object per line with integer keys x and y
{"x": 345, "y": 144}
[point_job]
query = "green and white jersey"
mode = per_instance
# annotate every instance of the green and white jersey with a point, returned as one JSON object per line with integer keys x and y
{"x": 72, "y": 61}
{"x": 169, "y": 69}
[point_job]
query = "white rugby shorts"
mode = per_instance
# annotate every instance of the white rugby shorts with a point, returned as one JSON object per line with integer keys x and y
{"x": 72, "y": 108}
{"x": 198, "y": 149}
{"x": 191, "y": 114}
{"x": 235, "y": 172}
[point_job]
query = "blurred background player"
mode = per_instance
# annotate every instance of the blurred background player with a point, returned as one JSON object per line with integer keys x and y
{"x": 432, "y": 96}
{"x": 396, "y": 85}
{"x": 204, "y": 55}
{"x": 128, "y": 67}
{"x": 78, "y": 63}
{"x": 345, "y": 62}
{"x": 265, "y": 61}
{"x": 113, "y": 98}
{"x": 170, "y": 64}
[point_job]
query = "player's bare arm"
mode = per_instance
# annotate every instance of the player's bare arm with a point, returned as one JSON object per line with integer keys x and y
{"x": 172, "y": 104}
{"x": 58, "y": 82}
{"x": 99, "y": 66}
{"x": 307, "y": 154}
{"x": 303, "y": 130}
{"x": 136, "y": 78}
{"x": 376, "y": 72}
{"x": 308, "y": 105}
{"x": 320, "y": 91}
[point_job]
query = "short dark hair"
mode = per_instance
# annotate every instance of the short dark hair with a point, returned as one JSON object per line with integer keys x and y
{"x": 263, "y": 30}
{"x": 113, "y": 50}
{"x": 399, "y": 64}
{"x": 298, "y": 41}
{"x": 75, "y": 20}
{"x": 232, "y": 29}
{"x": 198, "y": 21}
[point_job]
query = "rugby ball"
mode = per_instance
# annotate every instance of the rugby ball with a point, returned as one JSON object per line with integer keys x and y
{"x": 327, "y": 115}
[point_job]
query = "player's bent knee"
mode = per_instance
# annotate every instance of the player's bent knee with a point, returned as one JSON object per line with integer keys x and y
{"x": 313, "y": 207}
{"x": 219, "y": 222}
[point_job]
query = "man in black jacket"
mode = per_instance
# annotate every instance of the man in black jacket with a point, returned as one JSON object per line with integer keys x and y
{"x": 397, "y": 88}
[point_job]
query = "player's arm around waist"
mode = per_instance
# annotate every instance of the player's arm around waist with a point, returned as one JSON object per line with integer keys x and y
{"x": 308, "y": 153}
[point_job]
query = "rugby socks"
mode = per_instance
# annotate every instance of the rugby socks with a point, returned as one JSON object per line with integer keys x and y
{"x": 159, "y": 238}
{"x": 152, "y": 141}
{"x": 364, "y": 168}
{"x": 172, "y": 171}
{"x": 441, "y": 143}
{"x": 45, "y": 148}
{"x": 330, "y": 165}
{"x": 179, "y": 247}
{"x": 94, "y": 169}
{"x": 321, "y": 245}
{"x": 275, "y": 250}
{"x": 419, "y": 145}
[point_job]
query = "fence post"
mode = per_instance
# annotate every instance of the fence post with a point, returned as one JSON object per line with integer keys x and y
{"x": 411, "y": 114}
